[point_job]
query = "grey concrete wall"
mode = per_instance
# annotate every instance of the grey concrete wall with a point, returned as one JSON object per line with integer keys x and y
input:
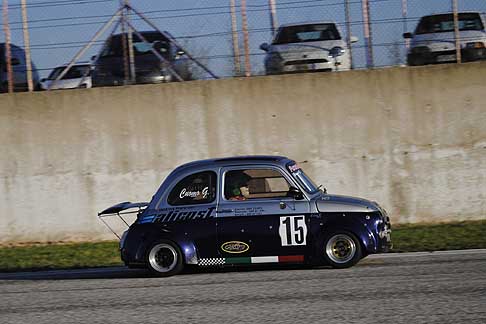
{"x": 412, "y": 139}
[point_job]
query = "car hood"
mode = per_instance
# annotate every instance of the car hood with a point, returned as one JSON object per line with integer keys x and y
{"x": 310, "y": 49}
{"x": 65, "y": 83}
{"x": 445, "y": 41}
{"x": 336, "y": 204}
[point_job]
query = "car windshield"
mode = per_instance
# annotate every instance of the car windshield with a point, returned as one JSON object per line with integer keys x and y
{"x": 302, "y": 178}
{"x": 445, "y": 23}
{"x": 75, "y": 72}
{"x": 307, "y": 33}
{"x": 114, "y": 46}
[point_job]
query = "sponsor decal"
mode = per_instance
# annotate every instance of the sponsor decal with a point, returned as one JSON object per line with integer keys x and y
{"x": 200, "y": 194}
{"x": 183, "y": 214}
{"x": 235, "y": 247}
{"x": 294, "y": 167}
{"x": 249, "y": 211}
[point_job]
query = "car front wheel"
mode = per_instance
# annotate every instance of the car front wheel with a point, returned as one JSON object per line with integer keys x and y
{"x": 164, "y": 259}
{"x": 342, "y": 250}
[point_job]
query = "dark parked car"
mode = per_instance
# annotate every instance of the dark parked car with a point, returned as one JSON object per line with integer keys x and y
{"x": 18, "y": 67}
{"x": 434, "y": 39}
{"x": 108, "y": 68}
{"x": 249, "y": 210}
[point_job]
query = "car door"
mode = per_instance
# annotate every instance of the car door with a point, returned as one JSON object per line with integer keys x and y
{"x": 264, "y": 224}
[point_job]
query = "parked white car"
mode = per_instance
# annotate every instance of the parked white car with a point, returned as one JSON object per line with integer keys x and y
{"x": 307, "y": 47}
{"x": 78, "y": 76}
{"x": 434, "y": 40}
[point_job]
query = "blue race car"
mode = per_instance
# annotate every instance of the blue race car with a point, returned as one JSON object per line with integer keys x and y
{"x": 249, "y": 210}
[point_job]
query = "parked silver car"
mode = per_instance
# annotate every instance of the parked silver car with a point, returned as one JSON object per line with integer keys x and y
{"x": 78, "y": 76}
{"x": 434, "y": 40}
{"x": 307, "y": 47}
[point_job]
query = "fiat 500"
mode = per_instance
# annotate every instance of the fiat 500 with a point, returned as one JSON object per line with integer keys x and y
{"x": 248, "y": 210}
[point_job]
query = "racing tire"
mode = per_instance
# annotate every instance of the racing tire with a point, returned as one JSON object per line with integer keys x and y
{"x": 164, "y": 259}
{"x": 342, "y": 250}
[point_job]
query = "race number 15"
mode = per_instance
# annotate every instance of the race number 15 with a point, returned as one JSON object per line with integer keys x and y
{"x": 292, "y": 230}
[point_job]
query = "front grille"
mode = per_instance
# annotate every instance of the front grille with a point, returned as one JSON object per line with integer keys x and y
{"x": 311, "y": 61}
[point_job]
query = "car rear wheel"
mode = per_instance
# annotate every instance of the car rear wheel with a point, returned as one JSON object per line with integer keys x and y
{"x": 342, "y": 250}
{"x": 164, "y": 259}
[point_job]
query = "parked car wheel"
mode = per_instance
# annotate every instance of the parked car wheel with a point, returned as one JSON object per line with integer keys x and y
{"x": 342, "y": 250}
{"x": 164, "y": 259}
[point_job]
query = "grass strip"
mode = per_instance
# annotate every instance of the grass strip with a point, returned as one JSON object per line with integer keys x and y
{"x": 406, "y": 238}
{"x": 437, "y": 237}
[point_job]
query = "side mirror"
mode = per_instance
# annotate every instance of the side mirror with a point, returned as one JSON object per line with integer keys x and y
{"x": 407, "y": 35}
{"x": 14, "y": 61}
{"x": 43, "y": 80}
{"x": 353, "y": 39}
{"x": 265, "y": 47}
{"x": 93, "y": 58}
{"x": 295, "y": 193}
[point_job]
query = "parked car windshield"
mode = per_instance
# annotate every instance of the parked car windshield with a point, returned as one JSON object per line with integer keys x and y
{"x": 307, "y": 33}
{"x": 75, "y": 72}
{"x": 445, "y": 23}
{"x": 114, "y": 46}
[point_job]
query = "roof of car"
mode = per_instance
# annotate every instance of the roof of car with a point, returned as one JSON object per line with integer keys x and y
{"x": 307, "y": 23}
{"x": 235, "y": 160}
{"x": 450, "y": 12}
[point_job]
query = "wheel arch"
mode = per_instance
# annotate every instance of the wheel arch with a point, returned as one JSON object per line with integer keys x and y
{"x": 351, "y": 225}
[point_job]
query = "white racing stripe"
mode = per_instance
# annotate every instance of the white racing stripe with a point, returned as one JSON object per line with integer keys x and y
{"x": 265, "y": 259}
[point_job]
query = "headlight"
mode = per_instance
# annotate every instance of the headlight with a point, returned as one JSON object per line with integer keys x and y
{"x": 336, "y": 51}
{"x": 275, "y": 57}
{"x": 475, "y": 45}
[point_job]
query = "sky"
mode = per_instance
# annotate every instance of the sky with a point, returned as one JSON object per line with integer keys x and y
{"x": 60, "y": 28}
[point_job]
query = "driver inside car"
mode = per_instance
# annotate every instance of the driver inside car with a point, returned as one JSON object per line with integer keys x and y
{"x": 237, "y": 185}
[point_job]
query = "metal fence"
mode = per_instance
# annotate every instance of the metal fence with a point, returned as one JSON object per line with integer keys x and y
{"x": 224, "y": 35}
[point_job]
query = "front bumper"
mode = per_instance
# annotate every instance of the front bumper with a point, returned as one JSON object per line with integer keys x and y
{"x": 307, "y": 65}
{"x": 427, "y": 57}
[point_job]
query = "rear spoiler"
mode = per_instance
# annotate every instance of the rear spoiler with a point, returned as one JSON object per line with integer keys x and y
{"x": 117, "y": 210}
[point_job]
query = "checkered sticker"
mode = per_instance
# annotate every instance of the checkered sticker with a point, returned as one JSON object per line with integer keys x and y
{"x": 209, "y": 262}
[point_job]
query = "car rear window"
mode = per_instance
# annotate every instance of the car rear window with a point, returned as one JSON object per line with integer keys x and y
{"x": 197, "y": 188}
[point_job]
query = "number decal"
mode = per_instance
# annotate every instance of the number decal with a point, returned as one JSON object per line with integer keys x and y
{"x": 292, "y": 230}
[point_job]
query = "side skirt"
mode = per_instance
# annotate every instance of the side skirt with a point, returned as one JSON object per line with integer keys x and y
{"x": 209, "y": 262}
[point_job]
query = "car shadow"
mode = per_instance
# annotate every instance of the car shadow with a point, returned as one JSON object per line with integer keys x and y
{"x": 127, "y": 273}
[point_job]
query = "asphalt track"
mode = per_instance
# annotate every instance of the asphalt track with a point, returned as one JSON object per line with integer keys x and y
{"x": 438, "y": 287}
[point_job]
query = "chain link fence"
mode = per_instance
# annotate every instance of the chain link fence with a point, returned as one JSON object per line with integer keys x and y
{"x": 224, "y": 35}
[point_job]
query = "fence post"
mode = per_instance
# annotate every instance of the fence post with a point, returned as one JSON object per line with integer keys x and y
{"x": 367, "y": 34}
{"x": 8, "y": 52}
{"x": 236, "y": 45}
{"x": 347, "y": 17}
{"x": 28, "y": 61}
{"x": 457, "y": 36}
{"x": 273, "y": 16}
{"x": 245, "y": 38}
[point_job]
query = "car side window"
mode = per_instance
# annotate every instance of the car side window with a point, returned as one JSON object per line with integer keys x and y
{"x": 255, "y": 184}
{"x": 197, "y": 188}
